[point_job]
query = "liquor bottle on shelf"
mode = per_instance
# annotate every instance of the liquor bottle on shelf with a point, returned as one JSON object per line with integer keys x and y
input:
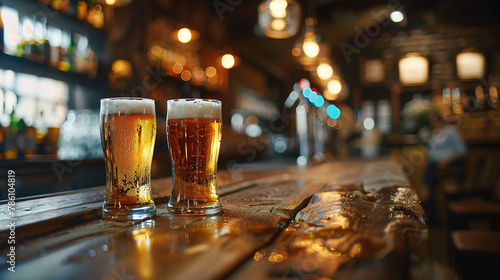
{"x": 64, "y": 48}
{"x": 20, "y": 48}
{"x": 1, "y": 28}
{"x": 20, "y": 138}
{"x": 31, "y": 148}
{"x": 54, "y": 37}
{"x": 95, "y": 16}
{"x": 70, "y": 56}
{"x": 60, "y": 5}
{"x": 81, "y": 10}
{"x": 42, "y": 48}
{"x": 45, "y": 2}
{"x": 10, "y": 137}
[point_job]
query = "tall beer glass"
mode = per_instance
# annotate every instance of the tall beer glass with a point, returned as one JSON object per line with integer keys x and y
{"x": 194, "y": 134}
{"x": 128, "y": 134}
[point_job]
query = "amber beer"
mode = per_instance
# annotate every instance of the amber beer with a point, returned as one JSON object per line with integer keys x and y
{"x": 194, "y": 134}
{"x": 128, "y": 133}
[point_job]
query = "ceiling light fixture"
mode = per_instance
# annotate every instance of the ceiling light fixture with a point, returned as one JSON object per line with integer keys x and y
{"x": 324, "y": 71}
{"x": 413, "y": 69}
{"x": 279, "y": 19}
{"x": 118, "y": 3}
{"x": 397, "y": 16}
{"x": 227, "y": 61}
{"x": 185, "y": 35}
{"x": 309, "y": 45}
{"x": 470, "y": 65}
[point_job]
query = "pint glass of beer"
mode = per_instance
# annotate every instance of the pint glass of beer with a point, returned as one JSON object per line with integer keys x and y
{"x": 128, "y": 134}
{"x": 194, "y": 135}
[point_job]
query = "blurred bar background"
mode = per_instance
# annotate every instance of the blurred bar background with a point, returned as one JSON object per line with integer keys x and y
{"x": 302, "y": 82}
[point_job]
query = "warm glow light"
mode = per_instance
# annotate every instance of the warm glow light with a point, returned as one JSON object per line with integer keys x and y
{"x": 278, "y": 24}
{"x": 177, "y": 68}
{"x": 324, "y": 71}
{"x": 227, "y": 61}
{"x": 184, "y": 35}
{"x": 110, "y": 2}
{"x": 186, "y": 75}
{"x": 10, "y": 18}
{"x": 330, "y": 95}
{"x": 397, "y": 16}
{"x": 311, "y": 48}
{"x": 374, "y": 71}
{"x": 334, "y": 87}
{"x": 470, "y": 65}
{"x": 278, "y": 8}
{"x": 413, "y": 69}
{"x": 143, "y": 238}
{"x": 199, "y": 75}
{"x": 296, "y": 51}
{"x": 279, "y": 18}
{"x": 121, "y": 67}
{"x": 479, "y": 93}
{"x": 493, "y": 93}
{"x": 210, "y": 71}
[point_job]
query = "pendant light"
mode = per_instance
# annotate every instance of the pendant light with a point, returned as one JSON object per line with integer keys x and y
{"x": 279, "y": 18}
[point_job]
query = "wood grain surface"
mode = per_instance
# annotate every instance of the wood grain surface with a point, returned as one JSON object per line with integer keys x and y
{"x": 338, "y": 220}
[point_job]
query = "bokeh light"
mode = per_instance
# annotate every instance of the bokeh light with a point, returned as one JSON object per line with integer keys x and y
{"x": 307, "y": 92}
{"x": 333, "y": 111}
{"x": 227, "y": 61}
{"x": 312, "y": 97}
{"x": 177, "y": 68}
{"x": 186, "y": 75}
{"x": 319, "y": 101}
{"x": 369, "y": 123}
{"x": 324, "y": 71}
{"x": 311, "y": 48}
{"x": 278, "y": 8}
{"x": 334, "y": 86}
{"x": 397, "y": 16}
{"x": 184, "y": 35}
{"x": 302, "y": 161}
{"x": 304, "y": 83}
{"x": 278, "y": 24}
{"x": 210, "y": 71}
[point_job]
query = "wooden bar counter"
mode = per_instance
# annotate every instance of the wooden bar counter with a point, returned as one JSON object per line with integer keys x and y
{"x": 338, "y": 220}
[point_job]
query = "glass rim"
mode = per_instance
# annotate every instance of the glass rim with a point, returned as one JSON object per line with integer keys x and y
{"x": 127, "y": 99}
{"x": 194, "y": 99}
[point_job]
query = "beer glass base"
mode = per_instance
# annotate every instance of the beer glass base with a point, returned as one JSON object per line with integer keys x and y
{"x": 180, "y": 210}
{"x": 128, "y": 213}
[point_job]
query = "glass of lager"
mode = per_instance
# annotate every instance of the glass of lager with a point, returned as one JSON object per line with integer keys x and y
{"x": 128, "y": 134}
{"x": 193, "y": 135}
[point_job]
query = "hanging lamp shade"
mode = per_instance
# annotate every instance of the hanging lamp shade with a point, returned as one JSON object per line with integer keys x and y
{"x": 413, "y": 69}
{"x": 117, "y": 3}
{"x": 279, "y": 18}
{"x": 470, "y": 65}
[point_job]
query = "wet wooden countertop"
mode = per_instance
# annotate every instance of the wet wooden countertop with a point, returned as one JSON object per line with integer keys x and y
{"x": 338, "y": 220}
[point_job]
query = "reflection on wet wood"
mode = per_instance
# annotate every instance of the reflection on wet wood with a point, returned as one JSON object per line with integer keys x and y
{"x": 45, "y": 214}
{"x": 345, "y": 234}
{"x": 339, "y": 220}
{"x": 183, "y": 247}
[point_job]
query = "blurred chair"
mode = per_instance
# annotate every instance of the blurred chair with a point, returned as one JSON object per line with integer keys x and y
{"x": 479, "y": 198}
{"x": 476, "y": 253}
{"x": 477, "y": 179}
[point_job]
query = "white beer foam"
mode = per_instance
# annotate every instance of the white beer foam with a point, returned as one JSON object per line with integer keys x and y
{"x": 127, "y": 106}
{"x": 193, "y": 108}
